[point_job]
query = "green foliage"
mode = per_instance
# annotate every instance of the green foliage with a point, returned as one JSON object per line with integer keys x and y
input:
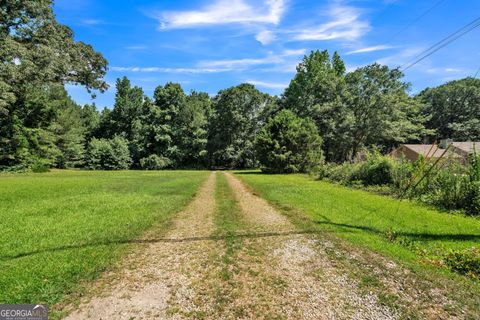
{"x": 288, "y": 144}
{"x": 453, "y": 109}
{"x": 69, "y": 130}
{"x": 450, "y": 185}
{"x": 154, "y": 162}
{"x": 473, "y": 188}
{"x": 191, "y": 130}
{"x": 317, "y": 92}
{"x": 108, "y": 154}
{"x": 367, "y": 107}
{"x": 38, "y": 56}
{"x": 382, "y": 111}
{"x": 466, "y": 261}
{"x": 236, "y": 119}
{"x": 375, "y": 170}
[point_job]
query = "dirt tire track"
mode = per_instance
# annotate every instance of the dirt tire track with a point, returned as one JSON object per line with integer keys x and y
{"x": 158, "y": 279}
{"x": 304, "y": 283}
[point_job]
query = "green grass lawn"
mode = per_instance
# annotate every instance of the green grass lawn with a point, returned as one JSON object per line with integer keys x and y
{"x": 61, "y": 228}
{"x": 409, "y": 231}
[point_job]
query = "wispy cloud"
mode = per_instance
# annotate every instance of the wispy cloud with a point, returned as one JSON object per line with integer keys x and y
{"x": 268, "y": 85}
{"x": 168, "y": 70}
{"x": 138, "y": 47}
{"x": 401, "y": 57}
{"x": 277, "y": 60}
{"x": 344, "y": 23}
{"x": 224, "y": 12}
{"x": 265, "y": 37}
{"x": 371, "y": 49}
{"x": 242, "y": 64}
{"x": 445, "y": 70}
{"x": 92, "y": 22}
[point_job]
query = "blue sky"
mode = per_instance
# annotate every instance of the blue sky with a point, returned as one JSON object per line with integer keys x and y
{"x": 211, "y": 45}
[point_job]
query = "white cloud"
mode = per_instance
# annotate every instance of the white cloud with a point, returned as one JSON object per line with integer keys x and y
{"x": 168, "y": 70}
{"x": 344, "y": 23}
{"x": 445, "y": 70}
{"x": 268, "y": 85}
{"x": 453, "y": 70}
{"x": 293, "y": 52}
{"x": 280, "y": 60}
{"x": 265, "y": 37}
{"x": 224, "y": 12}
{"x": 92, "y": 22}
{"x": 136, "y": 47}
{"x": 241, "y": 64}
{"x": 371, "y": 49}
{"x": 401, "y": 57}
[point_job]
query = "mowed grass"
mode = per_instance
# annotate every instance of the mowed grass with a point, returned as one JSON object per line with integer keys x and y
{"x": 409, "y": 231}
{"x": 63, "y": 228}
{"x": 228, "y": 220}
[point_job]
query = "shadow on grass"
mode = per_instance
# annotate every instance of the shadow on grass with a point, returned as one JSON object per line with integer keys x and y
{"x": 412, "y": 235}
{"x": 157, "y": 240}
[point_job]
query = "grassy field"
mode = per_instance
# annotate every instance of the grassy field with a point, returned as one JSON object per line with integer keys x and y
{"x": 406, "y": 230}
{"x": 64, "y": 227}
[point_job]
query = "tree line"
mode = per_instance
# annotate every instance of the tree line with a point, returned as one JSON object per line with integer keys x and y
{"x": 325, "y": 114}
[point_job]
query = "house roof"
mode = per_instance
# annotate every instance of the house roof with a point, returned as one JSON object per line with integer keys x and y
{"x": 458, "y": 149}
{"x": 425, "y": 149}
{"x": 467, "y": 146}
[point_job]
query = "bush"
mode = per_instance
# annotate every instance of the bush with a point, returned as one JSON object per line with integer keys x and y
{"x": 40, "y": 167}
{"x": 465, "y": 262}
{"x": 108, "y": 154}
{"x": 402, "y": 172}
{"x": 342, "y": 173}
{"x": 375, "y": 170}
{"x": 450, "y": 185}
{"x": 473, "y": 189}
{"x": 288, "y": 144}
{"x": 154, "y": 162}
{"x": 447, "y": 187}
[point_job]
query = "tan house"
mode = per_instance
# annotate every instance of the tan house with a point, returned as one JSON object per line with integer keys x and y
{"x": 459, "y": 150}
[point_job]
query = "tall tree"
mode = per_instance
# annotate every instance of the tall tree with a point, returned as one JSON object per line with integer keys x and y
{"x": 36, "y": 52}
{"x": 190, "y": 132}
{"x": 125, "y": 119}
{"x": 68, "y": 129}
{"x": 288, "y": 144}
{"x": 454, "y": 109}
{"x": 162, "y": 120}
{"x": 382, "y": 112}
{"x": 317, "y": 92}
{"x": 234, "y": 124}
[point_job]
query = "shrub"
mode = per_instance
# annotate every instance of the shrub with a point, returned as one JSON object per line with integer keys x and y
{"x": 40, "y": 167}
{"x": 472, "y": 205}
{"x": 375, "y": 170}
{"x": 288, "y": 144}
{"x": 108, "y": 154}
{"x": 402, "y": 171}
{"x": 447, "y": 188}
{"x": 450, "y": 185}
{"x": 465, "y": 262}
{"x": 342, "y": 173}
{"x": 154, "y": 162}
